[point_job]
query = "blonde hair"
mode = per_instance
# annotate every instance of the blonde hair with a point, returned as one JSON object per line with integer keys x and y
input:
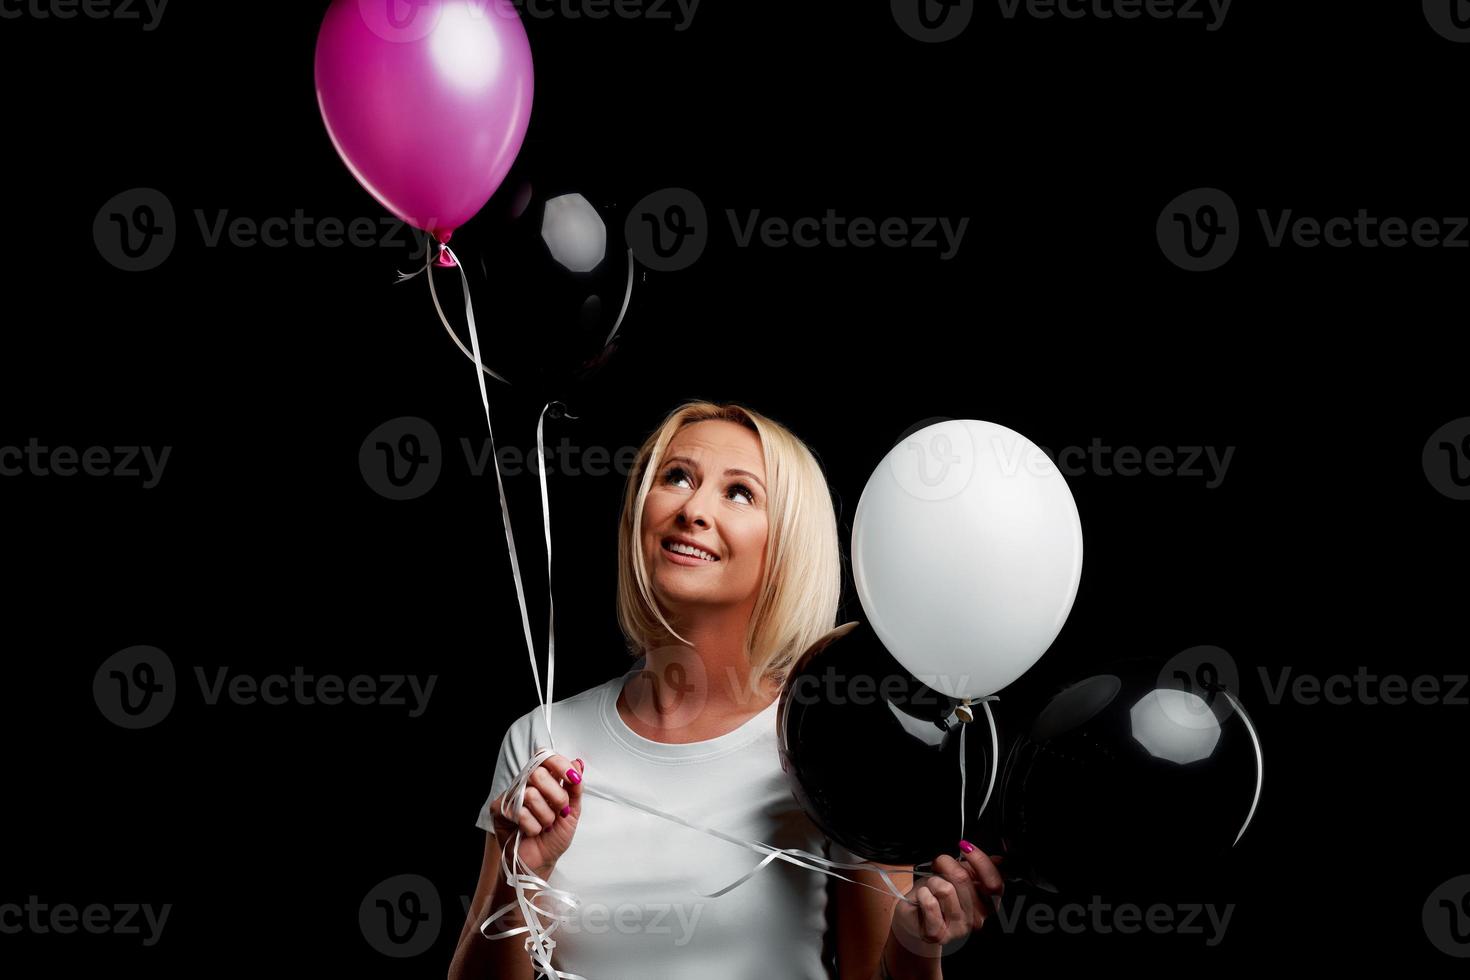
{"x": 801, "y": 585}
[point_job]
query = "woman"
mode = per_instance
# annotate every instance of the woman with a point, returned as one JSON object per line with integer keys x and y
{"x": 729, "y": 569}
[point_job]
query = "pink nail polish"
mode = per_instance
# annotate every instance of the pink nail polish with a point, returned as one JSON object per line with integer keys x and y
{"x": 574, "y": 775}
{"x": 566, "y": 809}
{"x": 966, "y": 846}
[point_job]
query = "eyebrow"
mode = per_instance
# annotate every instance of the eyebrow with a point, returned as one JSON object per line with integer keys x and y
{"x": 731, "y": 472}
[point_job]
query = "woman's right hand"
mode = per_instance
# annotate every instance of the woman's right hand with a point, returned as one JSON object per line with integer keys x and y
{"x": 549, "y": 817}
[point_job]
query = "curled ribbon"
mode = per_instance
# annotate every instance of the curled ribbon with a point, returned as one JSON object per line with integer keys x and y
{"x": 528, "y": 885}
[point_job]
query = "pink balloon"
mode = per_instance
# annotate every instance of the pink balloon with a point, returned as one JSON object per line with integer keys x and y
{"x": 427, "y": 101}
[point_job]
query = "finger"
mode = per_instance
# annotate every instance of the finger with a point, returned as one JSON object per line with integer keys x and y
{"x": 560, "y": 767}
{"x": 950, "y": 902}
{"x": 538, "y": 807}
{"x": 522, "y": 818}
{"x": 554, "y": 795}
{"x": 985, "y": 871}
{"x": 933, "y": 915}
{"x": 574, "y": 786}
{"x": 963, "y": 881}
{"x": 507, "y": 818}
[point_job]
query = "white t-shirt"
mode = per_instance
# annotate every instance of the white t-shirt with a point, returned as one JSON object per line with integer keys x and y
{"x": 636, "y": 874}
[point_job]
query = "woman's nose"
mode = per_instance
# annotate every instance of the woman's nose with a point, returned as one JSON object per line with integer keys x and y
{"x": 693, "y": 511}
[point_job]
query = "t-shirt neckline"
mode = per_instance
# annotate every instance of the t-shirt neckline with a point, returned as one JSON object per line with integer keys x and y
{"x": 680, "y": 752}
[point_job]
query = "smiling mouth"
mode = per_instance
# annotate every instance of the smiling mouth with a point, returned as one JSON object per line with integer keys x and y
{"x": 684, "y": 551}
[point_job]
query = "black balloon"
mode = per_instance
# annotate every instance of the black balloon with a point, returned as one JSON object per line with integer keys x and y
{"x": 1129, "y": 781}
{"x": 558, "y": 277}
{"x": 872, "y": 754}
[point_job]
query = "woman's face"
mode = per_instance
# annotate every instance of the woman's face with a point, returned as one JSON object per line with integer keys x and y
{"x": 710, "y": 490}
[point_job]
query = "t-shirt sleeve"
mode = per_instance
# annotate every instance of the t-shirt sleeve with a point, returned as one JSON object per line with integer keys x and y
{"x": 508, "y": 764}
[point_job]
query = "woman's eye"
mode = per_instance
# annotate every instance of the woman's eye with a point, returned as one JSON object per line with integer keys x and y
{"x": 677, "y": 474}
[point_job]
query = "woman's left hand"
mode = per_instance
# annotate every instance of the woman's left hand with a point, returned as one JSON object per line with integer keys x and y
{"x": 950, "y": 905}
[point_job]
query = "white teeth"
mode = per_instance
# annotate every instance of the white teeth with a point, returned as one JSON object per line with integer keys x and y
{"x": 685, "y": 549}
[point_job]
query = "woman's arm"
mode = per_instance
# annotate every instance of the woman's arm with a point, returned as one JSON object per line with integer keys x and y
{"x": 864, "y": 923}
{"x": 477, "y": 957}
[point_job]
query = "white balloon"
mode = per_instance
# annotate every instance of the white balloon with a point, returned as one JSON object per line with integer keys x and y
{"x": 967, "y": 552}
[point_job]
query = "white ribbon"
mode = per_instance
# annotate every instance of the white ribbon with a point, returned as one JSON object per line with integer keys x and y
{"x": 539, "y": 942}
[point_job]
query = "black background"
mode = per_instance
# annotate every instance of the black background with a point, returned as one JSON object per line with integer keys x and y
{"x": 1324, "y": 548}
